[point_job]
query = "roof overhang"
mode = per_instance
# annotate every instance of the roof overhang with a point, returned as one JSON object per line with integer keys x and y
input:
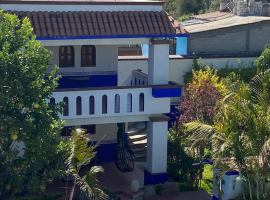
{"x": 85, "y": 2}
{"x": 84, "y": 25}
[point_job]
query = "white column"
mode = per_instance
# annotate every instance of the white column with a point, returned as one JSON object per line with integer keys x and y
{"x": 158, "y": 62}
{"x": 157, "y": 134}
{"x": 77, "y": 56}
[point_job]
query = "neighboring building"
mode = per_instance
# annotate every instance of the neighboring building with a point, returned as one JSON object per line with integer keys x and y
{"x": 223, "y": 33}
{"x": 98, "y": 95}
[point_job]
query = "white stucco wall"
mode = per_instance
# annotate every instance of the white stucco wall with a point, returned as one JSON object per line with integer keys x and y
{"x": 106, "y": 59}
{"x": 105, "y": 133}
{"x": 177, "y": 66}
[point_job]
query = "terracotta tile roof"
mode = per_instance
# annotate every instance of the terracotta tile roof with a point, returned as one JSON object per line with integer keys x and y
{"x": 123, "y": 2}
{"x": 102, "y": 24}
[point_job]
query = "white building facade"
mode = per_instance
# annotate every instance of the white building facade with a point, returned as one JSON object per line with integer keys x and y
{"x": 98, "y": 95}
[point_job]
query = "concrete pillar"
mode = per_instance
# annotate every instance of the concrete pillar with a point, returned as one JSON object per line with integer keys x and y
{"x": 77, "y": 56}
{"x": 158, "y": 62}
{"x": 156, "y": 163}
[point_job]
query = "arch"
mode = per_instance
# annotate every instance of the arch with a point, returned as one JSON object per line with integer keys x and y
{"x": 117, "y": 103}
{"x": 79, "y": 105}
{"x": 65, "y": 106}
{"x": 104, "y": 104}
{"x": 141, "y": 102}
{"x": 129, "y": 102}
{"x": 91, "y": 105}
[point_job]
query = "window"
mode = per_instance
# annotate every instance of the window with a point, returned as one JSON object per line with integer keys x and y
{"x": 91, "y": 105}
{"x": 141, "y": 102}
{"x": 88, "y": 56}
{"x": 104, "y": 104}
{"x": 117, "y": 103}
{"x": 66, "y": 56}
{"x": 90, "y": 129}
{"x": 79, "y": 105}
{"x": 65, "y": 106}
{"x": 129, "y": 103}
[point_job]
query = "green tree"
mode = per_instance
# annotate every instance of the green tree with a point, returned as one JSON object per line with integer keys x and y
{"x": 241, "y": 130}
{"x": 25, "y": 116}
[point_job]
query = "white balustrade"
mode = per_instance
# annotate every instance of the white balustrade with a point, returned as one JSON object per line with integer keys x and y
{"x": 139, "y": 78}
{"x": 110, "y": 102}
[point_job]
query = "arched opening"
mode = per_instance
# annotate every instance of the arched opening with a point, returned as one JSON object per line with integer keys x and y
{"x": 91, "y": 105}
{"x": 104, "y": 104}
{"x": 117, "y": 103}
{"x": 141, "y": 102}
{"x": 65, "y": 106}
{"x": 129, "y": 102}
{"x": 79, "y": 105}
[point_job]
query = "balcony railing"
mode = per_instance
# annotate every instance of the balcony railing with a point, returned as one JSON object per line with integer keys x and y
{"x": 107, "y": 102}
{"x": 139, "y": 78}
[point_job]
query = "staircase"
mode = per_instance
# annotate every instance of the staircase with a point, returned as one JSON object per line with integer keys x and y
{"x": 137, "y": 138}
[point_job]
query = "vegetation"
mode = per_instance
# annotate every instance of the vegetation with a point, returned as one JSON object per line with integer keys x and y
{"x": 182, "y": 152}
{"x": 32, "y": 152}
{"x": 27, "y": 122}
{"x": 241, "y": 130}
{"x": 178, "y": 8}
{"x": 80, "y": 157}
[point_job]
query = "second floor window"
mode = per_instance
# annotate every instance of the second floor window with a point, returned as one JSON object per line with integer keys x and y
{"x": 66, "y": 56}
{"x": 88, "y": 56}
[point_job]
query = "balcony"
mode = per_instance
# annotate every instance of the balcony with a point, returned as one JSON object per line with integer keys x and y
{"x": 93, "y": 103}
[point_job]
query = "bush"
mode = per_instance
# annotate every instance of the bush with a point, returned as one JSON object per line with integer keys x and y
{"x": 245, "y": 73}
{"x": 179, "y": 161}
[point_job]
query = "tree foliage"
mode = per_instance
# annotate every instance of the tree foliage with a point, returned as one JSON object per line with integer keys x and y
{"x": 81, "y": 154}
{"x": 25, "y": 116}
{"x": 241, "y": 130}
{"x": 178, "y": 8}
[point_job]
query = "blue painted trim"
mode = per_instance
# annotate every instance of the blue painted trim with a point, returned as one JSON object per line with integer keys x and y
{"x": 153, "y": 179}
{"x": 232, "y": 173}
{"x": 110, "y": 37}
{"x": 166, "y": 92}
{"x": 87, "y": 81}
{"x": 106, "y": 153}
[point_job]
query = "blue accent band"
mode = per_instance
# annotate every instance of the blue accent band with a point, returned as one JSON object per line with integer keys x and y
{"x": 153, "y": 179}
{"x": 111, "y": 36}
{"x": 87, "y": 81}
{"x": 166, "y": 92}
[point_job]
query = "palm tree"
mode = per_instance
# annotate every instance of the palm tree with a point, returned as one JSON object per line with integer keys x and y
{"x": 81, "y": 155}
{"x": 242, "y": 129}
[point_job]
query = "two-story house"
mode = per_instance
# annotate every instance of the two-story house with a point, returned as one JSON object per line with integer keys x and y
{"x": 84, "y": 36}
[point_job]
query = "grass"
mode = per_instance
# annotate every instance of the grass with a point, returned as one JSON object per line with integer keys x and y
{"x": 206, "y": 183}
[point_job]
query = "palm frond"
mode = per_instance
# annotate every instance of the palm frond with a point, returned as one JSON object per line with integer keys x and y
{"x": 260, "y": 87}
{"x": 199, "y": 131}
{"x": 265, "y": 154}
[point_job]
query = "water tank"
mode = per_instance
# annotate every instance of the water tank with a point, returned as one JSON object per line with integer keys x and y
{"x": 231, "y": 185}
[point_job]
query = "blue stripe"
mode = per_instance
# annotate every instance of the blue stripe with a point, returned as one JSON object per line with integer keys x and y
{"x": 110, "y": 37}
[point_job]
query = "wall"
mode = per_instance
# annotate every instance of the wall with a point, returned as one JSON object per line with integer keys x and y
{"x": 177, "y": 68}
{"x": 105, "y": 133}
{"x": 244, "y": 39}
{"x": 106, "y": 59}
